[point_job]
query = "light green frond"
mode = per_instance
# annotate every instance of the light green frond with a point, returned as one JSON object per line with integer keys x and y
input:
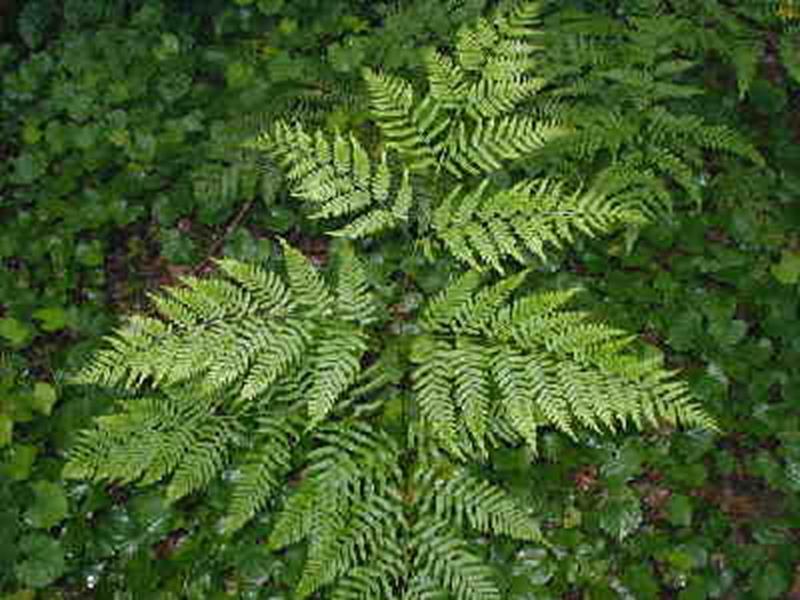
{"x": 373, "y": 581}
{"x": 298, "y": 516}
{"x": 471, "y": 502}
{"x": 353, "y": 451}
{"x": 308, "y": 287}
{"x": 490, "y": 98}
{"x": 409, "y": 130}
{"x": 448, "y": 86}
{"x": 262, "y": 473}
{"x": 520, "y": 19}
{"x": 349, "y": 454}
{"x": 501, "y": 48}
{"x": 371, "y": 529}
{"x": 483, "y": 149}
{"x": 539, "y": 216}
{"x": 369, "y": 224}
{"x": 471, "y": 389}
{"x": 334, "y": 366}
{"x": 146, "y": 442}
{"x": 444, "y": 559}
{"x": 444, "y": 307}
{"x": 433, "y": 388}
{"x": 473, "y": 316}
{"x": 113, "y": 365}
{"x": 266, "y": 289}
{"x": 354, "y": 300}
{"x": 540, "y": 366}
{"x": 510, "y": 372}
{"x": 474, "y": 44}
{"x": 213, "y": 442}
{"x": 288, "y": 344}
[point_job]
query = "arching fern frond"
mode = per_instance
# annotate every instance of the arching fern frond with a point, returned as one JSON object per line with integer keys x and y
{"x": 338, "y": 178}
{"x": 262, "y": 470}
{"x": 245, "y": 332}
{"x": 544, "y": 366}
{"x": 530, "y": 218}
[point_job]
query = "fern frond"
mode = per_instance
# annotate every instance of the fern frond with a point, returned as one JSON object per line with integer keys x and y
{"x": 354, "y": 300}
{"x": 537, "y": 217}
{"x": 470, "y": 502}
{"x": 412, "y": 131}
{"x": 542, "y": 365}
{"x": 433, "y": 386}
{"x": 213, "y": 442}
{"x": 262, "y": 473}
{"x": 444, "y": 558}
{"x": 309, "y": 289}
{"x": 333, "y": 367}
{"x": 493, "y": 141}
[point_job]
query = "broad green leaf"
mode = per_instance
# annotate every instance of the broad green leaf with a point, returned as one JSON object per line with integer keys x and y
{"x": 31, "y": 134}
{"x": 788, "y": 270}
{"x": 21, "y": 595}
{"x": 90, "y": 254}
{"x": 679, "y": 510}
{"x": 6, "y": 430}
{"x": 532, "y": 567}
{"x": 28, "y": 168}
{"x": 44, "y": 562}
{"x": 16, "y": 332}
{"x": 621, "y": 515}
{"x": 53, "y": 318}
{"x": 769, "y": 582}
{"x": 728, "y": 333}
{"x": 18, "y": 465}
{"x": 44, "y": 397}
{"x": 639, "y": 580}
{"x": 49, "y": 507}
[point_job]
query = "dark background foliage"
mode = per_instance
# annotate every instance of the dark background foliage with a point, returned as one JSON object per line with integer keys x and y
{"x": 121, "y": 170}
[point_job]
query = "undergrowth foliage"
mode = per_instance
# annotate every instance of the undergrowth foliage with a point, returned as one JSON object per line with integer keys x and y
{"x": 285, "y": 383}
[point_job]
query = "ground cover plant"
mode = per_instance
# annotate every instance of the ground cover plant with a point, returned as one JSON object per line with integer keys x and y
{"x": 713, "y": 285}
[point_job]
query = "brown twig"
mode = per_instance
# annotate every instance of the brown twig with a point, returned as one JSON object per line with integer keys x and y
{"x": 217, "y": 245}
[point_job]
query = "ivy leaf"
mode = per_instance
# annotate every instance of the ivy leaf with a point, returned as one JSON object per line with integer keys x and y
{"x": 6, "y": 430}
{"x": 18, "y": 466}
{"x": 270, "y": 7}
{"x": 679, "y": 510}
{"x": 621, "y": 515}
{"x": 28, "y": 168}
{"x": 44, "y": 563}
{"x": 346, "y": 58}
{"x": 53, "y": 318}
{"x": 43, "y": 398}
{"x": 90, "y": 254}
{"x": 177, "y": 247}
{"x": 49, "y": 507}
{"x": 532, "y": 567}
{"x": 788, "y": 270}
{"x": 728, "y": 333}
{"x": 685, "y": 330}
{"x": 769, "y": 582}
{"x": 16, "y": 332}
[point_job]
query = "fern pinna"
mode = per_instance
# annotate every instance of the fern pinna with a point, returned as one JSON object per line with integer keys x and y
{"x": 363, "y": 446}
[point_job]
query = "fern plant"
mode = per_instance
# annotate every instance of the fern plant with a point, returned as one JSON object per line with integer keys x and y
{"x": 366, "y": 447}
{"x": 624, "y": 85}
